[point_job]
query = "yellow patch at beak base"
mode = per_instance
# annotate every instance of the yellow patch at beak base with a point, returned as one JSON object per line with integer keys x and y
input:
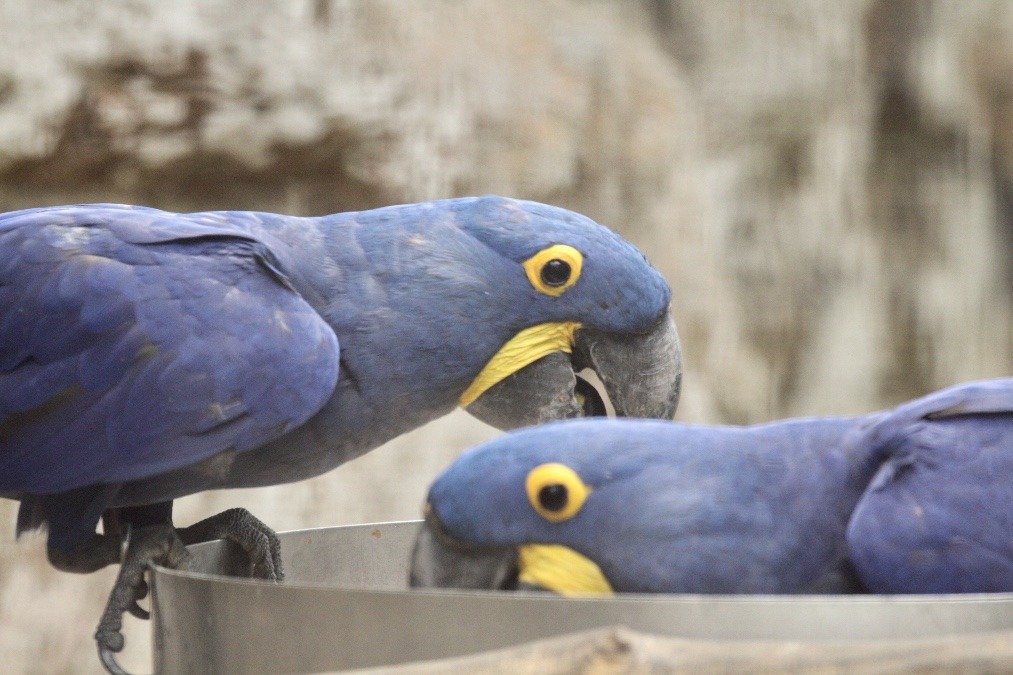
{"x": 562, "y": 570}
{"x": 521, "y": 350}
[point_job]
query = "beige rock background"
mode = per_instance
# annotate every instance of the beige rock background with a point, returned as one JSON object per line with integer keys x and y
{"x": 827, "y": 186}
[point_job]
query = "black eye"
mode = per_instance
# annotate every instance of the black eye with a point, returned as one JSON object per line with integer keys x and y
{"x": 555, "y": 491}
{"x": 556, "y": 272}
{"x": 553, "y": 497}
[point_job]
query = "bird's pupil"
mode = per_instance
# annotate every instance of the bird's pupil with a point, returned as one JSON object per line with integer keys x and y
{"x": 556, "y": 272}
{"x": 553, "y": 497}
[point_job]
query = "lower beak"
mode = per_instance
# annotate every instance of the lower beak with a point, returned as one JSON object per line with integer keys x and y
{"x": 439, "y": 561}
{"x": 641, "y": 374}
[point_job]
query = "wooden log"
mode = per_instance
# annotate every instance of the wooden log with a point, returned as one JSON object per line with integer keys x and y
{"x": 619, "y": 650}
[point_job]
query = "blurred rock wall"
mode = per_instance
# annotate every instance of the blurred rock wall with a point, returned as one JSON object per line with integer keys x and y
{"x": 827, "y": 186}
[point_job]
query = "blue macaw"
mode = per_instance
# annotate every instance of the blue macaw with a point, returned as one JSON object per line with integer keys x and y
{"x": 918, "y": 499}
{"x": 147, "y": 355}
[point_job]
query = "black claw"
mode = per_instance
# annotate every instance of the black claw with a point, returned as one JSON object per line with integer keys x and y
{"x": 106, "y": 654}
{"x": 141, "y": 591}
{"x": 138, "y": 611}
{"x": 110, "y": 641}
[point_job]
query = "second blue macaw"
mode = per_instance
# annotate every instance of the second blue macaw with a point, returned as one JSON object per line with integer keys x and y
{"x": 918, "y": 499}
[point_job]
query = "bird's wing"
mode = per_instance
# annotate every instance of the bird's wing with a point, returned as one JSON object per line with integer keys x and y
{"x": 938, "y": 516}
{"x": 135, "y": 341}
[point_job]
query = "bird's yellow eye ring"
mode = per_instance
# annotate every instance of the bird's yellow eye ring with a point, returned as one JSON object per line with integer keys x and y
{"x": 554, "y": 269}
{"x": 556, "y": 492}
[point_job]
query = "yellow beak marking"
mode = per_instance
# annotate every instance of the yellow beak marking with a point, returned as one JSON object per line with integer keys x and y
{"x": 521, "y": 350}
{"x": 562, "y": 570}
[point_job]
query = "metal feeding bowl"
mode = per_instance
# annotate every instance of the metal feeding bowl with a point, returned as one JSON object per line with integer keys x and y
{"x": 345, "y": 604}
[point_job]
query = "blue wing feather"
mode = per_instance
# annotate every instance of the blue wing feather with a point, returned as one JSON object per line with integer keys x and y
{"x": 938, "y": 516}
{"x": 133, "y": 342}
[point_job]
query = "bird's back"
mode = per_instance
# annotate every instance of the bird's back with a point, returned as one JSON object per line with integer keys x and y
{"x": 938, "y": 516}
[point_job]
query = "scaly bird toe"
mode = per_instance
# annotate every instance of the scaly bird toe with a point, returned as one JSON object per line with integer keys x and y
{"x": 156, "y": 544}
{"x": 246, "y": 530}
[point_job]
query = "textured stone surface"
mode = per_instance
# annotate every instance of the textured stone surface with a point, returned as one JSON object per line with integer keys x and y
{"x": 828, "y": 187}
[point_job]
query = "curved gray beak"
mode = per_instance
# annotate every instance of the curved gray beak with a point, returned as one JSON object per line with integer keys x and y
{"x": 439, "y": 561}
{"x": 641, "y": 374}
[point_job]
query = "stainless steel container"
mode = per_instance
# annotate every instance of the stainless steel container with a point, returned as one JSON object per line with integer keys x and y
{"x": 345, "y": 604}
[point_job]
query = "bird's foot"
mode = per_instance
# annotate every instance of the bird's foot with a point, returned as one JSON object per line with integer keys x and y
{"x": 165, "y": 545}
{"x": 240, "y": 526}
{"x": 155, "y": 544}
